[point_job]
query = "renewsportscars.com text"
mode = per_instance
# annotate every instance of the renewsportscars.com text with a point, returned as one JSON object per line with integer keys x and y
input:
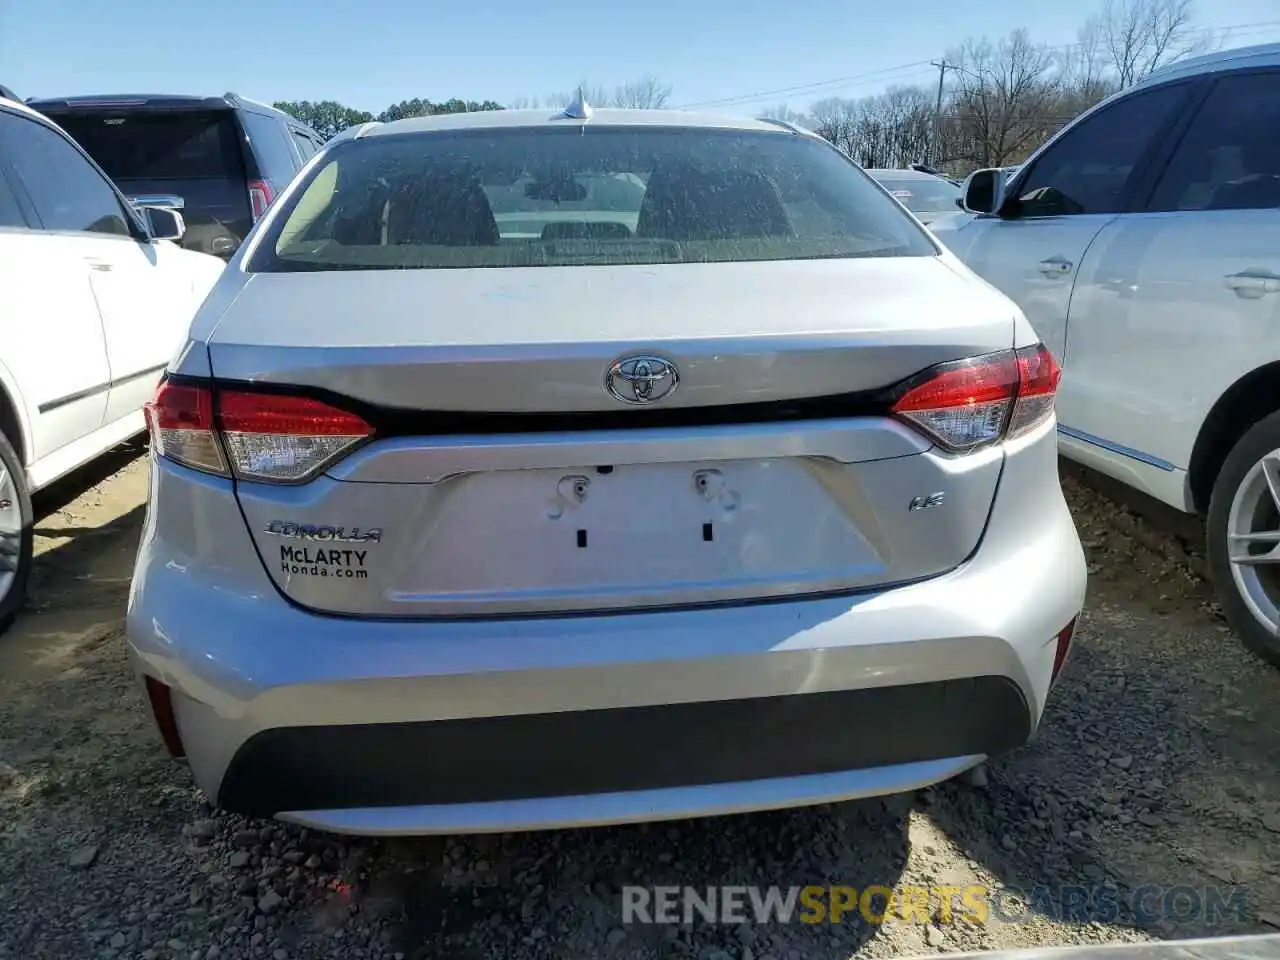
{"x": 975, "y": 903}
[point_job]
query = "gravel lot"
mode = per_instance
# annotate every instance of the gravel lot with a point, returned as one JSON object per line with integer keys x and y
{"x": 1158, "y": 763}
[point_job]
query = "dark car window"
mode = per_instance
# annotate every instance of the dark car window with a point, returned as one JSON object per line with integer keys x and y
{"x": 11, "y": 214}
{"x": 1229, "y": 158}
{"x": 146, "y": 145}
{"x": 68, "y": 193}
{"x": 270, "y": 143}
{"x": 921, "y": 195}
{"x": 557, "y": 197}
{"x": 305, "y": 145}
{"x": 1089, "y": 168}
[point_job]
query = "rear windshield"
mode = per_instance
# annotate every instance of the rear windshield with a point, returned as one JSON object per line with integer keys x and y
{"x": 923, "y": 195}
{"x": 609, "y": 195}
{"x": 143, "y": 145}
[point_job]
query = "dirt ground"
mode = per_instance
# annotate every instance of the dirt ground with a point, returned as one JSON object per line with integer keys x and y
{"x": 1157, "y": 769}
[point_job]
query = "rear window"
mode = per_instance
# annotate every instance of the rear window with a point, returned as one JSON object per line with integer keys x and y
{"x": 144, "y": 145}
{"x": 924, "y": 196}
{"x": 561, "y": 196}
{"x": 270, "y": 142}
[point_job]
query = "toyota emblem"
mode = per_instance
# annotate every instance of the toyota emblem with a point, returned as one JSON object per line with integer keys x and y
{"x": 641, "y": 379}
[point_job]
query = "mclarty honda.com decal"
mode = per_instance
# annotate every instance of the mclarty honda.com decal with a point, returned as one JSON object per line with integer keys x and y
{"x": 319, "y": 562}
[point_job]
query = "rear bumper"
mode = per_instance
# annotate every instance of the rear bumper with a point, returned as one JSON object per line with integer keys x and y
{"x": 621, "y": 750}
{"x": 414, "y": 727}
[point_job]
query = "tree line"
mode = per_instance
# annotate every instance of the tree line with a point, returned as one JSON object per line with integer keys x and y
{"x": 329, "y": 118}
{"x": 1001, "y": 99}
{"x": 998, "y": 99}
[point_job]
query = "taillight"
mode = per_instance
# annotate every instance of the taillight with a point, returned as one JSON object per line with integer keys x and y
{"x": 260, "y": 198}
{"x": 1038, "y": 376}
{"x": 267, "y": 437}
{"x": 180, "y": 418}
{"x": 967, "y": 404}
{"x": 282, "y": 438}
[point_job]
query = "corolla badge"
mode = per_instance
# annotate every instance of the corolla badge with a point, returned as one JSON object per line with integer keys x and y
{"x": 641, "y": 379}
{"x": 309, "y": 531}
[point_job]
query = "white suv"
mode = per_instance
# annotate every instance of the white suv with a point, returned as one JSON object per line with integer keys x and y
{"x": 96, "y": 302}
{"x": 1143, "y": 243}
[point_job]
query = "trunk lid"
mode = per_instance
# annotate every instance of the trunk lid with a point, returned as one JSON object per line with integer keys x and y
{"x": 538, "y": 340}
{"x": 503, "y": 479}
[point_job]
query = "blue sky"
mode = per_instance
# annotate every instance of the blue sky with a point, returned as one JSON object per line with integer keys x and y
{"x": 371, "y": 54}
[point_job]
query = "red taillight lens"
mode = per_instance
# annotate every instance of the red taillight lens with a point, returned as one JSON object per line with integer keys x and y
{"x": 260, "y": 198}
{"x": 968, "y": 404}
{"x": 1063, "y": 648}
{"x": 180, "y": 419}
{"x": 282, "y": 438}
{"x": 267, "y": 437}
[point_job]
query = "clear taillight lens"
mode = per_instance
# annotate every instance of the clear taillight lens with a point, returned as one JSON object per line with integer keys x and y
{"x": 282, "y": 438}
{"x": 267, "y": 437}
{"x": 968, "y": 404}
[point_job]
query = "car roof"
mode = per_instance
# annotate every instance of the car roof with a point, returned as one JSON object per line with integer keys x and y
{"x": 1260, "y": 55}
{"x": 19, "y": 107}
{"x": 511, "y": 119}
{"x": 228, "y": 101}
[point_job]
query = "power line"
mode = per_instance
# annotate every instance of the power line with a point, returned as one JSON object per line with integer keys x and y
{"x": 784, "y": 91}
{"x": 918, "y": 68}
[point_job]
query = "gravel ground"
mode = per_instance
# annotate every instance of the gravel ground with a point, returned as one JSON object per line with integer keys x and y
{"x": 1157, "y": 765}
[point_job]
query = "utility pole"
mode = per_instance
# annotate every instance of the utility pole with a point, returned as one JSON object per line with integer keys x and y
{"x": 943, "y": 67}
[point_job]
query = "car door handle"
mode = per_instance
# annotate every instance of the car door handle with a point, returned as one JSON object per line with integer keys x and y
{"x": 1056, "y": 267}
{"x": 1250, "y": 285}
{"x": 102, "y": 266}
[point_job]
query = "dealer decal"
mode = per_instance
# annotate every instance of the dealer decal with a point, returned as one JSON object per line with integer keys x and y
{"x": 345, "y": 564}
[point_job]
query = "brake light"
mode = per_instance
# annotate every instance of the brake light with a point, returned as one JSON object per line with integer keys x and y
{"x": 267, "y": 437}
{"x": 260, "y": 198}
{"x": 1038, "y": 377}
{"x": 282, "y": 438}
{"x": 180, "y": 419}
{"x": 967, "y": 404}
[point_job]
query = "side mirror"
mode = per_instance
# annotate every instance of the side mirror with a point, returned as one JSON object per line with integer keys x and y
{"x": 164, "y": 223}
{"x": 983, "y": 191}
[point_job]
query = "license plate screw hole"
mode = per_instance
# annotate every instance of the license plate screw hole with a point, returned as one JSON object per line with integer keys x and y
{"x": 582, "y": 538}
{"x": 706, "y": 532}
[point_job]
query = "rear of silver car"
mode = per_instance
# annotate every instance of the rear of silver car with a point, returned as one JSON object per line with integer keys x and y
{"x": 541, "y": 524}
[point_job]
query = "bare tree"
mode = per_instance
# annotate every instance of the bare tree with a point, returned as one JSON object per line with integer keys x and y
{"x": 647, "y": 93}
{"x": 785, "y": 113}
{"x": 836, "y": 121}
{"x": 1006, "y": 100}
{"x": 1083, "y": 69}
{"x": 1139, "y": 36}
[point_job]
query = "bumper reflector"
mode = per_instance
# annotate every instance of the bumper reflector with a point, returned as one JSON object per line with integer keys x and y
{"x": 162, "y": 709}
{"x": 1063, "y": 649}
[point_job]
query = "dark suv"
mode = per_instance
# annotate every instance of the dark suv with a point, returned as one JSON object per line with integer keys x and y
{"x": 226, "y": 157}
